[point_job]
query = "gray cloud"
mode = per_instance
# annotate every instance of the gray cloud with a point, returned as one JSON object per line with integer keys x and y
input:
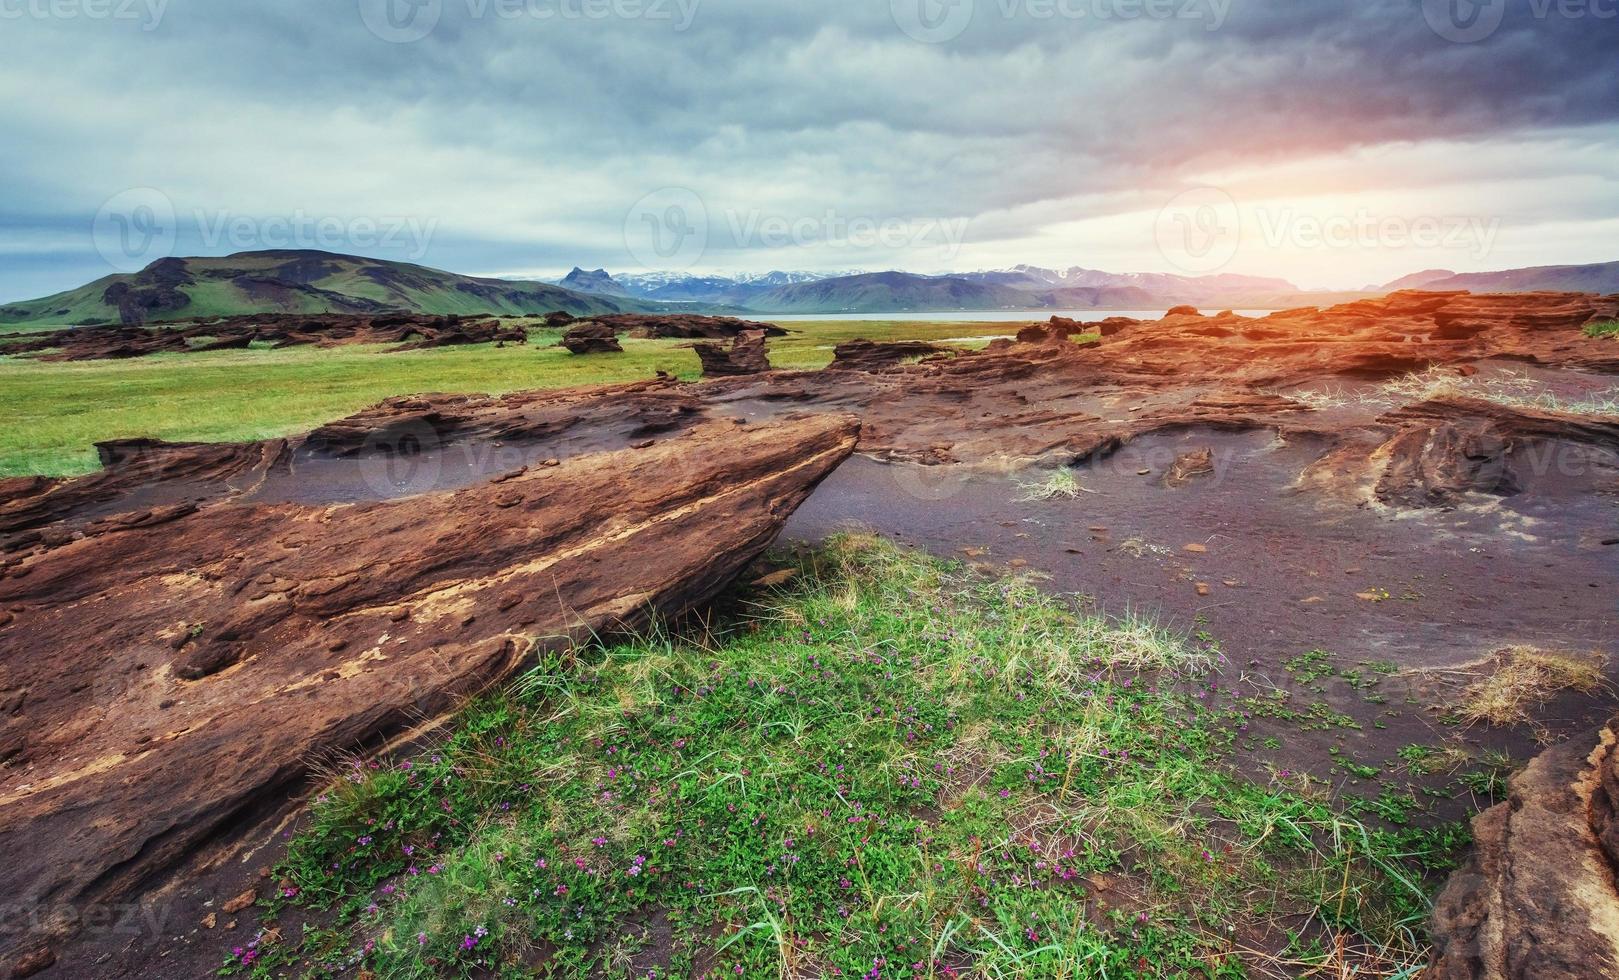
{"x": 524, "y": 135}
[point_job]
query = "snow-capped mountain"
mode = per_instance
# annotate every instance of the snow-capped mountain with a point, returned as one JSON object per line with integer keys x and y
{"x": 1194, "y": 288}
{"x": 685, "y": 287}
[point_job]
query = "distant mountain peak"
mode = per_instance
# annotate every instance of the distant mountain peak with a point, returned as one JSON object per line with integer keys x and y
{"x": 595, "y": 281}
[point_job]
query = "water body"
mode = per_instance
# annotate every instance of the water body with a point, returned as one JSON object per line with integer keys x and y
{"x": 988, "y": 316}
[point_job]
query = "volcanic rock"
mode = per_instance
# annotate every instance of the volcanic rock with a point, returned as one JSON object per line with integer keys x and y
{"x": 183, "y": 665}
{"x": 684, "y": 326}
{"x": 155, "y": 289}
{"x": 866, "y": 355}
{"x": 1188, "y": 467}
{"x": 408, "y": 331}
{"x": 746, "y": 355}
{"x": 1537, "y": 901}
{"x": 1437, "y": 451}
{"x": 1042, "y": 333}
{"x": 591, "y": 337}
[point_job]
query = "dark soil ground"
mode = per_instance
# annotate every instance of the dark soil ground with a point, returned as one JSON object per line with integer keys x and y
{"x": 1286, "y": 574}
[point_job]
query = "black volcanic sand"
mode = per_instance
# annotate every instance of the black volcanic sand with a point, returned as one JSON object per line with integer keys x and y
{"x": 1283, "y": 570}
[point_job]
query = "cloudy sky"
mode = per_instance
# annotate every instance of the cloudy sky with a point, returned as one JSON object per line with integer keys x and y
{"x": 1331, "y": 142}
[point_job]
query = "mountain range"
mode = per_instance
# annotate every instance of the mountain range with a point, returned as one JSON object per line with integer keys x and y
{"x": 1023, "y": 287}
{"x": 1601, "y": 277}
{"x": 297, "y": 281}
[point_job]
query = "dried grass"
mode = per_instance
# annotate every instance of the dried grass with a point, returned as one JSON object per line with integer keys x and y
{"x": 1522, "y": 679}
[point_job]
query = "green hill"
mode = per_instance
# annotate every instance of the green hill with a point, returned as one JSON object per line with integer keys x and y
{"x": 299, "y": 282}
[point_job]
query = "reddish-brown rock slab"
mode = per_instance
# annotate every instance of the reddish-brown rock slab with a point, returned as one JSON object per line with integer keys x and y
{"x": 169, "y": 682}
{"x": 409, "y": 331}
{"x": 869, "y": 355}
{"x": 1538, "y": 901}
{"x": 746, "y": 355}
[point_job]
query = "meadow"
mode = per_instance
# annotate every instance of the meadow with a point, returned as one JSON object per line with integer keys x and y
{"x": 56, "y": 412}
{"x": 883, "y": 766}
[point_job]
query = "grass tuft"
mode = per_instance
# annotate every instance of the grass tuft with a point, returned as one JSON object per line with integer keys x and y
{"x": 1512, "y": 389}
{"x": 1060, "y": 484}
{"x": 1603, "y": 328}
{"x": 1522, "y": 679}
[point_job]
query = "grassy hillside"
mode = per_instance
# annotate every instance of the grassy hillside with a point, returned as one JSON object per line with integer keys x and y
{"x": 297, "y": 282}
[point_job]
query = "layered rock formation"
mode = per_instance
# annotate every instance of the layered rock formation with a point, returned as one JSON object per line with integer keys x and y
{"x": 186, "y": 634}
{"x": 1538, "y": 900}
{"x": 407, "y": 331}
{"x": 866, "y": 355}
{"x": 181, "y": 634}
{"x": 746, "y": 355}
{"x": 684, "y": 326}
{"x": 590, "y": 337}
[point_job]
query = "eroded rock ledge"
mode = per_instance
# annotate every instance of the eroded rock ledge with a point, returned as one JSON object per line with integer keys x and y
{"x": 1538, "y": 899}
{"x": 172, "y": 666}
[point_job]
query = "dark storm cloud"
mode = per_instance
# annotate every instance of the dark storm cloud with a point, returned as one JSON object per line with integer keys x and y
{"x": 525, "y": 133}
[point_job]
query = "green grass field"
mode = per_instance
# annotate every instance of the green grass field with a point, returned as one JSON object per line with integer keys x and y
{"x": 889, "y": 768}
{"x": 56, "y": 412}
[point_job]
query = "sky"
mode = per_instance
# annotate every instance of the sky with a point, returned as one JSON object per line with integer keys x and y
{"x": 1333, "y": 143}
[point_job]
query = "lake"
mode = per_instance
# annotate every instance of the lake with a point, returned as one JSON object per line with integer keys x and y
{"x": 985, "y": 316}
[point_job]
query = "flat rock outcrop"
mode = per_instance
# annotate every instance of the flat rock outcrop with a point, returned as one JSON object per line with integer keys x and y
{"x": 590, "y": 337}
{"x": 182, "y": 639}
{"x": 1046, "y": 398}
{"x": 1538, "y": 900}
{"x": 684, "y": 326}
{"x": 868, "y": 355}
{"x": 403, "y": 331}
{"x": 746, "y": 355}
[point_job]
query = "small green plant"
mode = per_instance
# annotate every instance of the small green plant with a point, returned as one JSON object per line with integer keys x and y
{"x": 1603, "y": 329}
{"x": 1060, "y": 484}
